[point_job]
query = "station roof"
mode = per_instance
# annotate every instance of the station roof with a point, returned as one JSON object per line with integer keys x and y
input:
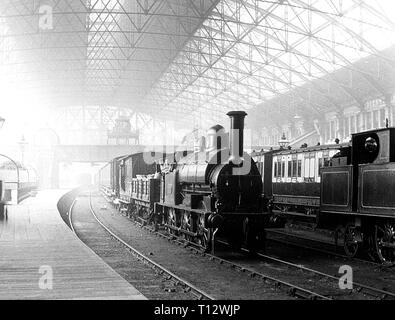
{"x": 198, "y": 58}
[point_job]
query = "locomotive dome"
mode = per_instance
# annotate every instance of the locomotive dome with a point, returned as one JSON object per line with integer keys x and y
{"x": 217, "y": 138}
{"x": 215, "y": 129}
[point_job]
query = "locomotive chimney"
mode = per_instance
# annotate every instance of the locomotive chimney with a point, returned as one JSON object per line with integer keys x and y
{"x": 236, "y": 136}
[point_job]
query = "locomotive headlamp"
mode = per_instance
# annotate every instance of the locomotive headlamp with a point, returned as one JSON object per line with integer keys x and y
{"x": 371, "y": 145}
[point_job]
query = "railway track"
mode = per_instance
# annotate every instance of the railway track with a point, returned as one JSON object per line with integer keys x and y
{"x": 278, "y": 236}
{"x": 293, "y": 289}
{"x": 358, "y": 288}
{"x": 170, "y": 279}
{"x": 287, "y": 287}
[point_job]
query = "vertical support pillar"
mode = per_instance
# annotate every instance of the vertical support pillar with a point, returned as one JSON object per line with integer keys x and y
{"x": 390, "y": 108}
{"x": 55, "y": 171}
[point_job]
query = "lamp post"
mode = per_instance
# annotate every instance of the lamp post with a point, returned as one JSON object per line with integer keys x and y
{"x": 22, "y": 144}
{"x": 283, "y": 142}
{"x": 2, "y": 206}
{"x": 2, "y": 120}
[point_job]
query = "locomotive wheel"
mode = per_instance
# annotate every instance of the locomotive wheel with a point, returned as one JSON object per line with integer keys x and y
{"x": 204, "y": 237}
{"x": 187, "y": 224}
{"x": 351, "y": 245}
{"x": 172, "y": 221}
{"x": 133, "y": 211}
{"x": 384, "y": 240}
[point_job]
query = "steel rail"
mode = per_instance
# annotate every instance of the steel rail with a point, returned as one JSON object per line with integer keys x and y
{"x": 311, "y": 248}
{"x": 293, "y": 290}
{"x": 375, "y": 292}
{"x": 379, "y": 293}
{"x": 199, "y": 293}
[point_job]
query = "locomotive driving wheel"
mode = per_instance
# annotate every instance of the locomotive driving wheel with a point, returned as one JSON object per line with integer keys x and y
{"x": 351, "y": 245}
{"x": 204, "y": 234}
{"x": 187, "y": 224}
{"x": 172, "y": 221}
{"x": 384, "y": 240}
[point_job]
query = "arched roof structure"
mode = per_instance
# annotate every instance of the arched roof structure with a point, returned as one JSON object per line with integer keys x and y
{"x": 193, "y": 60}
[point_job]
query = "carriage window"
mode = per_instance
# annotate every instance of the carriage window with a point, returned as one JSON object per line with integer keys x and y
{"x": 375, "y": 119}
{"x": 369, "y": 120}
{"x": 299, "y": 168}
{"x": 279, "y": 169}
{"x": 326, "y": 162}
{"x": 123, "y": 177}
{"x": 306, "y": 167}
{"x": 312, "y": 168}
{"x": 294, "y": 168}
{"x": 382, "y": 118}
{"x": 283, "y": 169}
{"x": 290, "y": 169}
{"x": 275, "y": 169}
{"x": 320, "y": 165}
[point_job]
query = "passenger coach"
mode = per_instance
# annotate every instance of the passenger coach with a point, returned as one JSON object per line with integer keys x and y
{"x": 345, "y": 188}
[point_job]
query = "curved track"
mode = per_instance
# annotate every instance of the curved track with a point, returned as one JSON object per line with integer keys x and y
{"x": 233, "y": 269}
{"x": 358, "y": 291}
{"x": 162, "y": 274}
{"x": 201, "y": 294}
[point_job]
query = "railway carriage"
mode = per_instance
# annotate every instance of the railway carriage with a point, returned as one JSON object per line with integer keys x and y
{"x": 139, "y": 185}
{"x": 292, "y": 178}
{"x": 344, "y": 188}
{"x": 18, "y": 182}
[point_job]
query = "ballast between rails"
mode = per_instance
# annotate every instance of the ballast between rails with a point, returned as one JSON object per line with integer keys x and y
{"x": 381, "y": 294}
{"x": 199, "y": 293}
{"x": 293, "y": 290}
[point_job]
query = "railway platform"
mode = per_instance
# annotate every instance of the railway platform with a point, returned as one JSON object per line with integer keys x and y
{"x": 40, "y": 257}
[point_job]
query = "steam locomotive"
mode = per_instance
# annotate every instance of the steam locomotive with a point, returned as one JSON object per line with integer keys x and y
{"x": 216, "y": 190}
{"x": 345, "y": 188}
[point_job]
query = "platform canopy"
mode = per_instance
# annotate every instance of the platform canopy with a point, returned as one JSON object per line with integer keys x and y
{"x": 190, "y": 59}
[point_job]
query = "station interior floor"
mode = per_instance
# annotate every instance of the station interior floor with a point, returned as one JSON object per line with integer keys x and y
{"x": 41, "y": 258}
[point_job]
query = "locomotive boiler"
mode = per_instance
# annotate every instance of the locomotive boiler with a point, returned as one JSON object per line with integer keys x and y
{"x": 216, "y": 189}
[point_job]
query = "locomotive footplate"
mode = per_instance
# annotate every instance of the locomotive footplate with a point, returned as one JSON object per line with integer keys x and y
{"x": 246, "y": 214}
